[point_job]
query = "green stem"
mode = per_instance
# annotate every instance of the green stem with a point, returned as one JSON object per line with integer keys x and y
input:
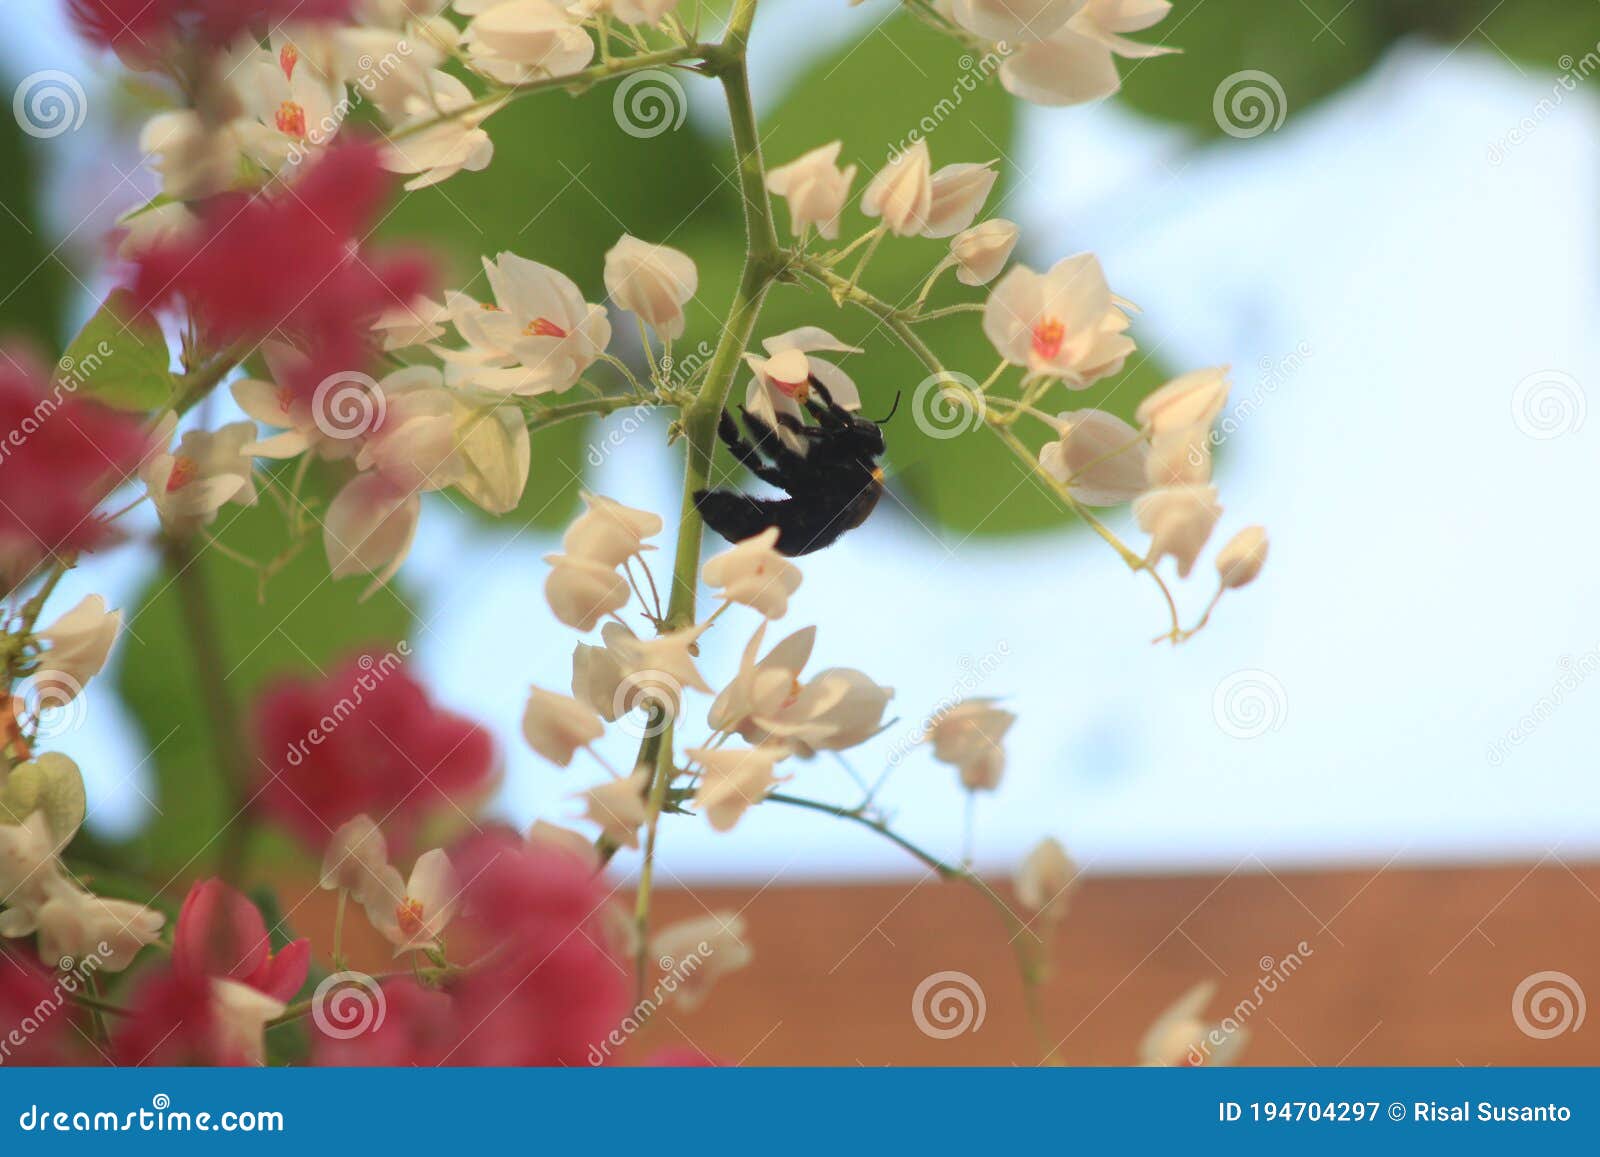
{"x": 211, "y": 670}
{"x": 762, "y": 263}
{"x": 577, "y": 81}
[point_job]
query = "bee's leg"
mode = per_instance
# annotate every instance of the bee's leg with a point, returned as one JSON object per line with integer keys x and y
{"x": 829, "y": 412}
{"x": 767, "y": 441}
{"x": 748, "y": 455}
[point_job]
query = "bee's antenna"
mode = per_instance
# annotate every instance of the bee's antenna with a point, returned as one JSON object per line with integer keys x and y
{"x": 884, "y": 420}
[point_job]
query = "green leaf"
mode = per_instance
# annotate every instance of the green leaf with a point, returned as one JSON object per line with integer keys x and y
{"x": 1307, "y": 51}
{"x": 306, "y": 624}
{"x": 34, "y": 298}
{"x": 120, "y": 358}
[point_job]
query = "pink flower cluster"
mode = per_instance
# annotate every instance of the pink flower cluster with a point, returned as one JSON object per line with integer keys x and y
{"x": 291, "y": 263}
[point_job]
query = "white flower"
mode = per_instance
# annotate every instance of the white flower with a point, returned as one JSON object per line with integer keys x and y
{"x": 76, "y": 924}
{"x": 410, "y": 325}
{"x": 755, "y": 574}
{"x": 969, "y": 737}
{"x": 369, "y": 527}
{"x": 1190, "y": 400}
{"x": 239, "y": 1019}
{"x": 596, "y": 675}
{"x": 1181, "y": 1036}
{"x": 700, "y": 951}
{"x": 982, "y": 251}
{"x": 653, "y": 281}
{"x": 902, "y": 192}
{"x": 1077, "y": 62}
{"x": 556, "y": 726}
{"x": 640, "y": 11}
{"x": 618, "y": 807}
{"x": 816, "y": 189}
{"x": 1046, "y": 880}
{"x": 79, "y": 643}
{"x": 783, "y": 378}
{"x": 581, "y": 593}
{"x": 959, "y": 192}
{"x": 29, "y": 871}
{"x": 539, "y": 338}
{"x": 193, "y": 160}
{"x": 437, "y": 132}
{"x": 670, "y": 655}
{"x": 413, "y": 446}
{"x": 190, "y": 484}
{"x": 357, "y": 861}
{"x": 732, "y": 780}
{"x": 277, "y": 406}
{"x": 1241, "y": 560}
{"x": 494, "y": 452}
{"x": 146, "y": 228}
{"x": 1013, "y": 20}
{"x": 608, "y": 533}
{"x": 1178, "y": 520}
{"x": 416, "y": 918}
{"x": 564, "y": 840}
{"x": 1179, "y": 458}
{"x": 1099, "y": 456}
{"x": 766, "y": 703}
{"x": 522, "y": 40}
{"x": 1061, "y": 324}
{"x": 296, "y": 110}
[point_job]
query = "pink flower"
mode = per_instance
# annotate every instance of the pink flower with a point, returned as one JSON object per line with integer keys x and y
{"x": 36, "y": 1009}
{"x": 290, "y": 263}
{"x": 59, "y": 456}
{"x": 548, "y": 990}
{"x": 145, "y": 28}
{"x": 419, "y": 1027}
{"x": 553, "y": 989}
{"x": 366, "y": 739}
{"x": 220, "y": 933}
{"x": 171, "y": 1021}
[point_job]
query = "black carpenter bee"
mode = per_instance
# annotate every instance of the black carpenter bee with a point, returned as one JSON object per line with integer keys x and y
{"x": 832, "y": 487}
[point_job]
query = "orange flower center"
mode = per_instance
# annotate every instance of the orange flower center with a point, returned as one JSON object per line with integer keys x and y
{"x": 1048, "y": 336}
{"x": 490, "y": 307}
{"x": 408, "y": 914}
{"x": 288, "y": 57}
{"x": 285, "y": 398}
{"x": 799, "y": 391}
{"x": 291, "y": 119}
{"x": 544, "y": 327}
{"x": 183, "y": 472}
